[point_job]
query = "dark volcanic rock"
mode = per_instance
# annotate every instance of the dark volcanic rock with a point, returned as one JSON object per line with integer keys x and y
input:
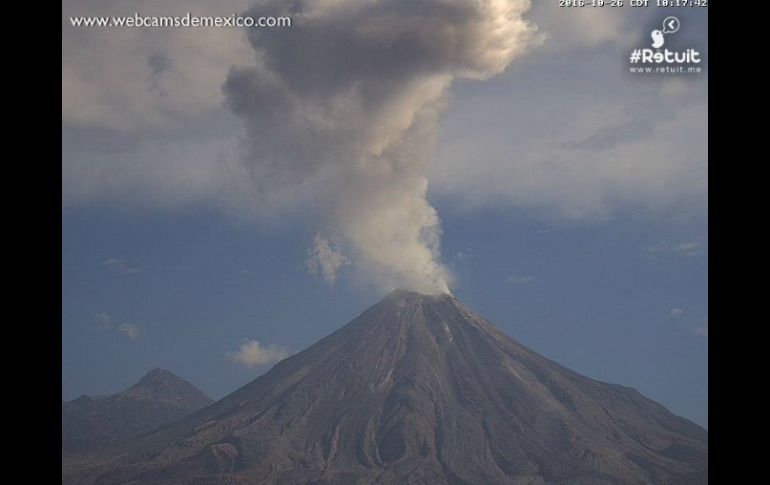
{"x": 158, "y": 399}
{"x": 416, "y": 390}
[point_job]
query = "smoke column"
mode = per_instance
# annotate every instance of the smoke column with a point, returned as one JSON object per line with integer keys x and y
{"x": 342, "y": 112}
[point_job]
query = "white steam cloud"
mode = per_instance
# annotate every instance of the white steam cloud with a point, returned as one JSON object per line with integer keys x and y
{"x": 324, "y": 260}
{"x": 130, "y": 330}
{"x": 251, "y": 353}
{"x": 343, "y": 108}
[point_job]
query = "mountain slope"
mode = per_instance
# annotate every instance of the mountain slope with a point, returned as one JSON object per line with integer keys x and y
{"x": 158, "y": 399}
{"x": 416, "y": 390}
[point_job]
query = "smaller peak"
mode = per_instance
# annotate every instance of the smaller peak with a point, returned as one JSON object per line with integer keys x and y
{"x": 84, "y": 398}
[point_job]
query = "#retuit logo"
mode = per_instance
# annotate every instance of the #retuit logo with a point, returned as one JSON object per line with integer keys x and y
{"x": 656, "y": 59}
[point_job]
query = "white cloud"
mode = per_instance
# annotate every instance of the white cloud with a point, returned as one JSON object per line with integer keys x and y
{"x": 574, "y": 28}
{"x": 519, "y": 280}
{"x": 676, "y": 312}
{"x": 701, "y": 331}
{"x": 144, "y": 123}
{"x": 325, "y": 259}
{"x": 103, "y": 320}
{"x": 687, "y": 248}
{"x": 465, "y": 255}
{"x": 131, "y": 330}
{"x": 176, "y": 170}
{"x": 137, "y": 79}
{"x": 251, "y": 353}
{"x": 692, "y": 248}
{"x": 576, "y": 156}
{"x": 120, "y": 266}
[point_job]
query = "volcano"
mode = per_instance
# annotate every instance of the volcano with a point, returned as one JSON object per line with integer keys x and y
{"x": 159, "y": 398}
{"x": 416, "y": 390}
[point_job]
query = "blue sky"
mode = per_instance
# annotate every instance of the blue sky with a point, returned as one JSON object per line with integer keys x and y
{"x": 595, "y": 298}
{"x": 572, "y": 200}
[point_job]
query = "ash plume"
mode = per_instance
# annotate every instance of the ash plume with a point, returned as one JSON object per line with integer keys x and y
{"x": 342, "y": 112}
